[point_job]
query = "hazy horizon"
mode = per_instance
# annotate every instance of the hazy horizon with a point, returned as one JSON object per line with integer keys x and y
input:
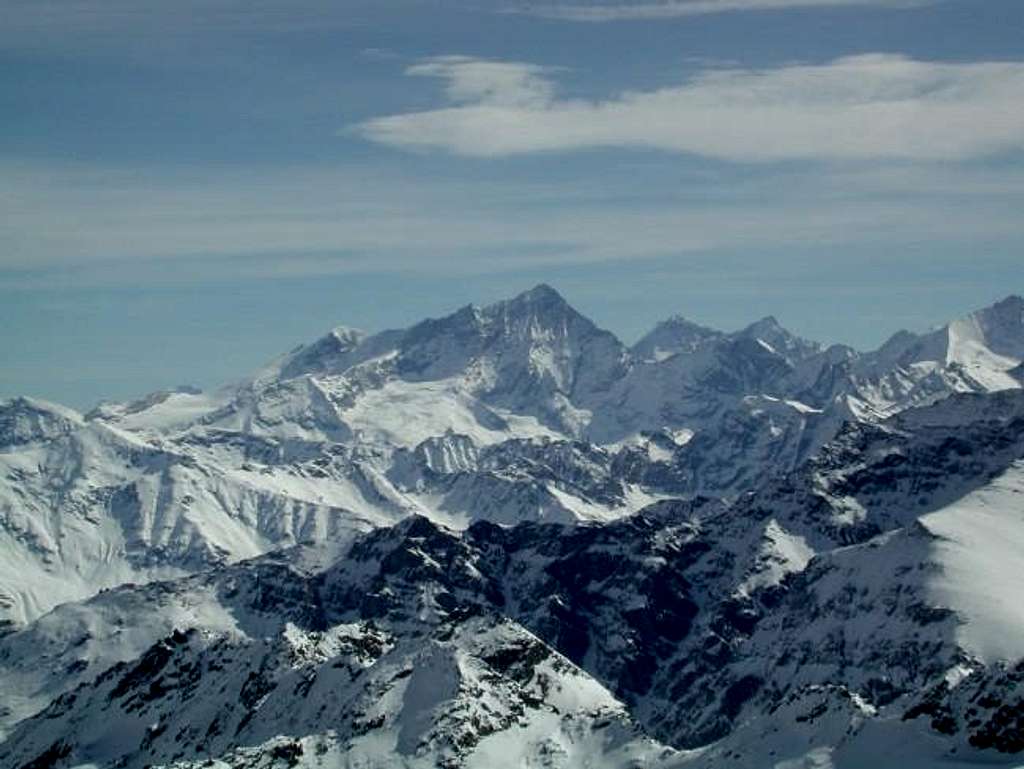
{"x": 250, "y": 366}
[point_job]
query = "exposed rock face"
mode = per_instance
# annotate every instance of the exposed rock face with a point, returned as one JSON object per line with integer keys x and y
{"x": 25, "y": 421}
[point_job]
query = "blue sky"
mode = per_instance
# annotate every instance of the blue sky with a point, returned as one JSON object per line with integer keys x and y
{"x": 188, "y": 189}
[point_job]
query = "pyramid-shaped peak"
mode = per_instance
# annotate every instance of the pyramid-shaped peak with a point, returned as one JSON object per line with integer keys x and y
{"x": 541, "y": 305}
{"x": 541, "y": 296}
{"x": 673, "y": 335}
{"x": 769, "y": 331}
{"x": 540, "y": 310}
{"x": 542, "y": 292}
{"x": 769, "y": 323}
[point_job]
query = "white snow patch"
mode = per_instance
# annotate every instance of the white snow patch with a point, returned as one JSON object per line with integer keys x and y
{"x": 981, "y": 552}
{"x": 406, "y": 414}
{"x": 780, "y": 553}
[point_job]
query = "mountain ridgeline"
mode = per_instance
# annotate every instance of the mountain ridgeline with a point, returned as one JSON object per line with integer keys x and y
{"x": 503, "y": 538}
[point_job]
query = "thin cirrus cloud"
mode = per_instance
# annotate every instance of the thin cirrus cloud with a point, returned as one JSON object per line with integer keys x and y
{"x": 872, "y": 106}
{"x": 620, "y": 11}
{"x": 81, "y": 225}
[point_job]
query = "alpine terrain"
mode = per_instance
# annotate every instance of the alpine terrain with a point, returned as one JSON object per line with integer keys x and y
{"x": 504, "y": 538}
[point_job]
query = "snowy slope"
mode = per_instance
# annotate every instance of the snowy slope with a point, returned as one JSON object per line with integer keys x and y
{"x": 96, "y": 506}
{"x": 534, "y": 367}
{"x": 502, "y": 538}
{"x": 981, "y": 352}
{"x": 980, "y": 552}
{"x": 278, "y": 655}
{"x": 748, "y": 634}
{"x": 179, "y": 479}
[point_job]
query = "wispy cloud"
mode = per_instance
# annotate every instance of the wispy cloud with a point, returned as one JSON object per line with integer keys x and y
{"x": 78, "y": 225}
{"x": 69, "y": 27}
{"x": 858, "y": 107}
{"x": 619, "y": 11}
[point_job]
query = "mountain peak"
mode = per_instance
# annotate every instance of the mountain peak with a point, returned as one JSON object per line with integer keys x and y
{"x": 783, "y": 341}
{"x": 542, "y": 292}
{"x": 541, "y": 297}
{"x": 539, "y": 307}
{"x": 675, "y": 334}
{"x": 1011, "y": 301}
{"x": 1007, "y": 311}
{"x": 999, "y": 327}
{"x": 767, "y": 324}
{"x": 681, "y": 321}
{"x": 328, "y": 352}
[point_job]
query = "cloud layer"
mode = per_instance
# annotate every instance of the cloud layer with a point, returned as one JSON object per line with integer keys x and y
{"x": 666, "y": 9}
{"x": 859, "y": 107}
{"x": 81, "y": 224}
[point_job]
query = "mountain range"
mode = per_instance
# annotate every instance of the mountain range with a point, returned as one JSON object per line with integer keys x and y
{"x": 505, "y": 538}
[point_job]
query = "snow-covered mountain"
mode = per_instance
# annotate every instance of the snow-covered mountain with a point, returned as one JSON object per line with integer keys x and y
{"x": 367, "y": 661}
{"x": 503, "y": 538}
